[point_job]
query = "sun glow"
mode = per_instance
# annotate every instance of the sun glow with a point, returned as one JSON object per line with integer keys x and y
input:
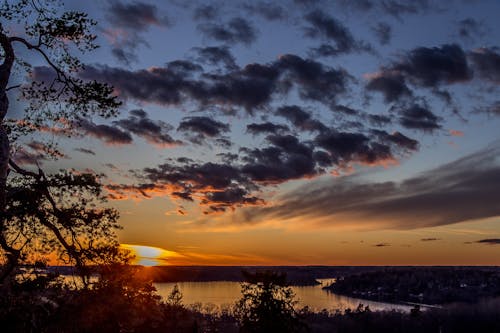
{"x": 149, "y": 255}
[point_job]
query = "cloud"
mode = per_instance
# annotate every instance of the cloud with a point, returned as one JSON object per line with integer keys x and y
{"x": 198, "y": 129}
{"x": 422, "y": 67}
{"x": 111, "y": 135}
{"x": 252, "y": 87}
{"x": 237, "y": 30}
{"x": 490, "y": 241}
{"x": 329, "y": 29}
{"x": 266, "y": 128}
{"x": 470, "y": 28}
{"x": 241, "y": 178}
{"x": 217, "y": 187}
{"x": 300, "y": 118}
{"x": 378, "y": 119}
{"x": 205, "y": 12}
{"x": 463, "y": 190}
{"x": 456, "y": 133}
{"x": 214, "y": 55}
{"x": 268, "y": 10}
{"x": 154, "y": 132}
{"x": 25, "y": 157}
{"x": 487, "y": 63}
{"x": 381, "y": 245}
{"x": 398, "y": 8}
{"x": 389, "y": 83}
{"x": 135, "y": 15}
{"x": 284, "y": 159}
{"x": 85, "y": 151}
{"x": 418, "y": 117}
{"x": 128, "y": 21}
{"x": 429, "y": 67}
{"x": 383, "y": 32}
{"x": 345, "y": 148}
{"x": 430, "y": 239}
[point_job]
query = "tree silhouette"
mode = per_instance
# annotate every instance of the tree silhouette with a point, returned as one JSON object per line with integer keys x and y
{"x": 57, "y": 213}
{"x": 267, "y": 304}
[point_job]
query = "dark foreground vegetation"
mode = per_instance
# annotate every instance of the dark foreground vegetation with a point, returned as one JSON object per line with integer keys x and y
{"x": 429, "y": 285}
{"x": 124, "y": 301}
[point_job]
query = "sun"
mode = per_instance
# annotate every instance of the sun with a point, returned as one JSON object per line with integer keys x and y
{"x": 149, "y": 255}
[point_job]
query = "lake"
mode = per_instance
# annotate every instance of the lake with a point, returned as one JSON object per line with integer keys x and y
{"x": 225, "y": 293}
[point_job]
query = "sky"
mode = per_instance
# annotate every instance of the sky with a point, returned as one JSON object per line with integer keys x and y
{"x": 295, "y": 132}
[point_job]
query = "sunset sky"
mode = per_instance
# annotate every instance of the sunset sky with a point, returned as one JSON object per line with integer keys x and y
{"x": 347, "y": 132}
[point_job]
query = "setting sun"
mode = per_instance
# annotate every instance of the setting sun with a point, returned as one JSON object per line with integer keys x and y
{"x": 149, "y": 255}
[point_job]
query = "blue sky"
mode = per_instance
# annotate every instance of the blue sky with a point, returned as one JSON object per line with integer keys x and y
{"x": 251, "y": 129}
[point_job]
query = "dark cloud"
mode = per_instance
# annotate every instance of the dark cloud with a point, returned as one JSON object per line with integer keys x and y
{"x": 237, "y": 30}
{"x": 398, "y": 8}
{"x": 383, "y": 32}
{"x": 345, "y": 110}
{"x": 111, "y": 135}
{"x": 300, "y": 118}
{"x": 129, "y": 21}
{"x": 378, "y": 120}
{"x": 381, "y": 245}
{"x": 284, "y": 159}
{"x": 85, "y": 151}
{"x": 430, "y": 239}
{"x": 25, "y": 157}
{"x": 268, "y": 10}
{"x": 490, "y": 241}
{"x": 390, "y": 84}
{"x": 153, "y": 131}
{"x": 361, "y": 5}
{"x": 423, "y": 67}
{"x": 345, "y": 148}
{"x": 470, "y": 28}
{"x": 135, "y": 15}
{"x": 463, "y": 190}
{"x": 314, "y": 80}
{"x": 198, "y": 129}
{"x": 36, "y": 153}
{"x": 429, "y": 67}
{"x": 398, "y": 139}
{"x": 205, "y": 12}
{"x": 492, "y": 109}
{"x": 266, "y": 128}
{"x": 214, "y": 55}
{"x": 251, "y": 87}
{"x": 419, "y": 117}
{"x": 487, "y": 63}
{"x": 124, "y": 56}
{"x": 328, "y": 28}
{"x": 219, "y": 186}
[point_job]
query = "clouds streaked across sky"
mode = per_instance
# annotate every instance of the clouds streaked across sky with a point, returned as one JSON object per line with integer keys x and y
{"x": 349, "y": 121}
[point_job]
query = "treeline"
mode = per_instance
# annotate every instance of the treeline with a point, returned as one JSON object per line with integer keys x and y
{"x": 429, "y": 285}
{"x": 124, "y": 301}
{"x": 296, "y": 275}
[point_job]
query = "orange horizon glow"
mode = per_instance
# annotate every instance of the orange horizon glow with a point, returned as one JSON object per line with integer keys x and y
{"x": 149, "y": 255}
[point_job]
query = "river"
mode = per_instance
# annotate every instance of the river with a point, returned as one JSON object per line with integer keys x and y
{"x": 220, "y": 294}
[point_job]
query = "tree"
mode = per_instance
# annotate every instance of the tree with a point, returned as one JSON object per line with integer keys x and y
{"x": 59, "y": 213}
{"x": 267, "y": 304}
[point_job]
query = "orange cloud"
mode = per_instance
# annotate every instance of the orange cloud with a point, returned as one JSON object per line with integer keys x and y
{"x": 456, "y": 133}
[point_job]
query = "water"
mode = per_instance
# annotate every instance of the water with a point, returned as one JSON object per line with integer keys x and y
{"x": 223, "y": 294}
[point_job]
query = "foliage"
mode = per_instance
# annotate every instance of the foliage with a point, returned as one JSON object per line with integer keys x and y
{"x": 267, "y": 304}
{"x": 58, "y": 214}
{"x": 430, "y": 285}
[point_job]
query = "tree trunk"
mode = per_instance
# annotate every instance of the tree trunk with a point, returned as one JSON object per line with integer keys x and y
{"x": 5, "y": 70}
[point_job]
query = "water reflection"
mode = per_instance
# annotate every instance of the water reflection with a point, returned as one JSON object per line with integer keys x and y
{"x": 224, "y": 293}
